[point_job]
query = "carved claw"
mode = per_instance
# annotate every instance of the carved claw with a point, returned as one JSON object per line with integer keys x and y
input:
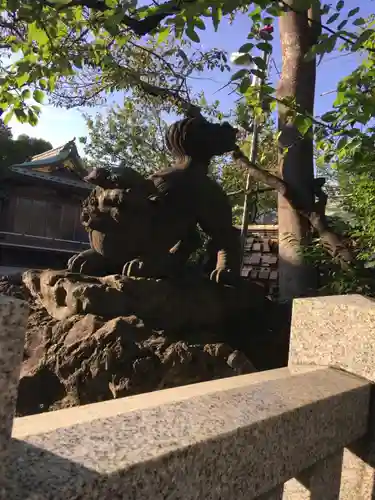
{"x": 224, "y": 277}
{"x": 76, "y": 263}
{"x": 88, "y": 262}
{"x": 134, "y": 268}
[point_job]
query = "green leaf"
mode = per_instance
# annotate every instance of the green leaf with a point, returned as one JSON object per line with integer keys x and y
{"x": 255, "y": 14}
{"x": 239, "y": 74}
{"x": 199, "y": 24}
{"x": 266, "y": 47}
{"x": 38, "y": 96}
{"x": 243, "y": 59}
{"x": 245, "y": 84}
{"x": 330, "y": 44}
{"x": 341, "y": 143}
{"x": 217, "y": 14}
{"x": 43, "y": 83}
{"x": 340, "y": 99}
{"x": 342, "y": 24}
{"x": 359, "y": 21}
{"x": 340, "y": 4}
{"x": 303, "y": 124}
{"x": 267, "y": 36}
{"x": 274, "y": 10}
{"x": 311, "y": 54}
{"x": 246, "y": 47}
{"x": 52, "y": 82}
{"x": 329, "y": 117}
{"x": 8, "y": 97}
{"x": 35, "y": 34}
{"x": 111, "y": 24}
{"x": 32, "y": 117}
{"x": 163, "y": 35}
{"x": 77, "y": 62}
{"x": 122, "y": 40}
{"x": 363, "y": 37}
{"x": 12, "y": 5}
{"x": 26, "y": 94}
{"x": 260, "y": 62}
{"x": 257, "y": 73}
{"x": 22, "y": 79}
{"x": 20, "y": 115}
{"x": 193, "y": 35}
{"x": 8, "y": 117}
{"x": 36, "y": 109}
{"x": 353, "y": 12}
{"x": 115, "y": 19}
{"x": 333, "y": 18}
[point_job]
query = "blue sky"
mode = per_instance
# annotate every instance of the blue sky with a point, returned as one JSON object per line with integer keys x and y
{"x": 59, "y": 125}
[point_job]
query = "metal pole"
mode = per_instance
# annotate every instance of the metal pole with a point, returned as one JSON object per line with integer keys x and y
{"x": 252, "y": 158}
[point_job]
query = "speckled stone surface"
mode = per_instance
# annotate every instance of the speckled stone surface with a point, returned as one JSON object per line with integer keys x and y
{"x": 275, "y": 494}
{"x": 231, "y": 444}
{"x": 335, "y": 331}
{"x": 340, "y": 331}
{"x": 13, "y": 319}
{"x": 321, "y": 481}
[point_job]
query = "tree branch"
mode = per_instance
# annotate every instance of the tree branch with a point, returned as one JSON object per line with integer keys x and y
{"x": 139, "y": 27}
{"x": 314, "y": 213}
{"x": 256, "y": 191}
{"x": 189, "y": 108}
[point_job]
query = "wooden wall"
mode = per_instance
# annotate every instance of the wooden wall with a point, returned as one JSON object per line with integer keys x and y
{"x": 44, "y": 213}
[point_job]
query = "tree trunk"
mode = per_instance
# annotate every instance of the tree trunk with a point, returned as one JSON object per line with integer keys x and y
{"x": 296, "y": 167}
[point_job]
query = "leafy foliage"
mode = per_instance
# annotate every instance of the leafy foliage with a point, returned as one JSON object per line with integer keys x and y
{"x": 132, "y": 135}
{"x": 333, "y": 280}
{"x": 263, "y": 201}
{"x": 347, "y": 144}
{"x": 79, "y": 50}
{"x": 18, "y": 150}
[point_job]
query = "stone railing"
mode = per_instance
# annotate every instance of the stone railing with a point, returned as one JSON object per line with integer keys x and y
{"x": 302, "y": 432}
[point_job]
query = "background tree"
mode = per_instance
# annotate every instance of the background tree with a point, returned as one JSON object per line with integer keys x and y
{"x": 132, "y": 134}
{"x": 5, "y": 132}
{"x": 263, "y": 200}
{"x": 13, "y": 151}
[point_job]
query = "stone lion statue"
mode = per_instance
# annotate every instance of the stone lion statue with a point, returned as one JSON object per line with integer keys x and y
{"x": 149, "y": 226}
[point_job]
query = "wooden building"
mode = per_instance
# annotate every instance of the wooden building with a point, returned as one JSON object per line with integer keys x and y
{"x": 40, "y": 205}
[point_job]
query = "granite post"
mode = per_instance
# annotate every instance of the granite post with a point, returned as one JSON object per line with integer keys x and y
{"x": 13, "y": 319}
{"x": 339, "y": 331}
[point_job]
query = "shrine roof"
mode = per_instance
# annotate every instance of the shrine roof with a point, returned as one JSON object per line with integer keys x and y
{"x": 61, "y": 165}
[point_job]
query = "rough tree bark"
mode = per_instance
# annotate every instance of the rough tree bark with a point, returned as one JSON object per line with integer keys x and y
{"x": 297, "y": 81}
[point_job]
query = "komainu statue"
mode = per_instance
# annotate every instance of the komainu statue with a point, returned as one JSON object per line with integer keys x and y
{"x": 148, "y": 227}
